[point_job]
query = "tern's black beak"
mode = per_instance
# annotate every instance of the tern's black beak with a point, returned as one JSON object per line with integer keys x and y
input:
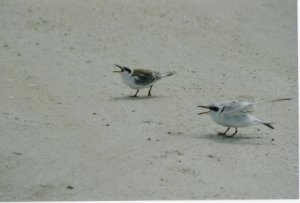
{"x": 119, "y": 71}
{"x": 206, "y": 107}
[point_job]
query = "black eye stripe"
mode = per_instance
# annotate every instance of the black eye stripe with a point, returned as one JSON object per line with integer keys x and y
{"x": 214, "y": 108}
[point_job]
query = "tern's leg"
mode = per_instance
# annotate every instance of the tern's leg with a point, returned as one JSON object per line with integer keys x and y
{"x": 224, "y": 133}
{"x": 149, "y": 93}
{"x": 135, "y": 93}
{"x": 232, "y": 133}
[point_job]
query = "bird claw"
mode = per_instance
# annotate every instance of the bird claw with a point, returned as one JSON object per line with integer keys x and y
{"x": 221, "y": 133}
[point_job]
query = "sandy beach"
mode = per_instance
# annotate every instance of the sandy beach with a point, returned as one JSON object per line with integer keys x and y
{"x": 70, "y": 131}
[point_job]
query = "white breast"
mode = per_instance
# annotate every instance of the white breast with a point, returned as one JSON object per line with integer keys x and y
{"x": 236, "y": 121}
{"x": 129, "y": 80}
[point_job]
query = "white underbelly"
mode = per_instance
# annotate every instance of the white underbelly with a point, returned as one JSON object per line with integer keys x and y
{"x": 130, "y": 82}
{"x": 236, "y": 121}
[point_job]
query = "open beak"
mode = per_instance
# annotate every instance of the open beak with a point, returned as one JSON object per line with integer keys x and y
{"x": 119, "y": 71}
{"x": 206, "y": 107}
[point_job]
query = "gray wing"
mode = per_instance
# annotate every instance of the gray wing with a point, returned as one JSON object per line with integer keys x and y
{"x": 235, "y": 107}
{"x": 143, "y": 76}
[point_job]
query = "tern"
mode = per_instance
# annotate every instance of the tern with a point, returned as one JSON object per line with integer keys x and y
{"x": 235, "y": 114}
{"x": 141, "y": 78}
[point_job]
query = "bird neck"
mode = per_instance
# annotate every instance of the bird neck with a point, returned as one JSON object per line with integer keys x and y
{"x": 126, "y": 75}
{"x": 215, "y": 115}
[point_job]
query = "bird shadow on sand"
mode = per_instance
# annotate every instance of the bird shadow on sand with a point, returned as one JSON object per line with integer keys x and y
{"x": 131, "y": 98}
{"x": 237, "y": 139}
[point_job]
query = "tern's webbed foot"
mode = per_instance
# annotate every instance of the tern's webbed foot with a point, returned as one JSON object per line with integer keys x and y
{"x": 221, "y": 133}
{"x": 224, "y": 133}
{"x": 137, "y": 91}
{"x": 229, "y": 136}
{"x": 149, "y": 92}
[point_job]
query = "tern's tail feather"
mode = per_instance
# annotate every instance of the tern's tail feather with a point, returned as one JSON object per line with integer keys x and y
{"x": 166, "y": 74}
{"x": 269, "y": 125}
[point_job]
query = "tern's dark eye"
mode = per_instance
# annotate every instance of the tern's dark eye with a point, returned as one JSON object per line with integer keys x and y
{"x": 214, "y": 108}
{"x": 127, "y": 69}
